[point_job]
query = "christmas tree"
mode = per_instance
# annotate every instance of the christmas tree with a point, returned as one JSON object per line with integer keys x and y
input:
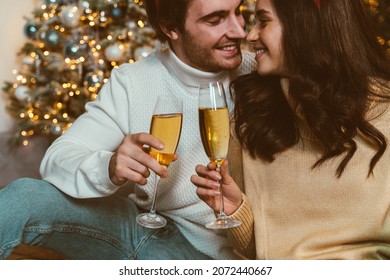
{"x": 381, "y": 11}
{"x": 71, "y": 49}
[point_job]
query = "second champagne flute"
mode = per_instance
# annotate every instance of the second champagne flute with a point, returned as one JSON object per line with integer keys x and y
{"x": 215, "y": 131}
{"x": 166, "y": 125}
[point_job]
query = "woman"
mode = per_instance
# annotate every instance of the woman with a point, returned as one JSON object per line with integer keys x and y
{"x": 313, "y": 124}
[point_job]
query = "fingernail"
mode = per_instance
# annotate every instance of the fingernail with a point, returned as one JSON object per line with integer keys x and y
{"x": 216, "y": 193}
{"x": 160, "y": 146}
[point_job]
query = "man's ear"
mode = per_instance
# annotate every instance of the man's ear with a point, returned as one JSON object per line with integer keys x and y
{"x": 171, "y": 33}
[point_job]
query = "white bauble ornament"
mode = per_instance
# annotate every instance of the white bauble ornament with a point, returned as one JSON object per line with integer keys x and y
{"x": 114, "y": 52}
{"x": 70, "y": 16}
{"x": 142, "y": 52}
{"x": 85, "y": 4}
{"x": 56, "y": 130}
{"x": 21, "y": 92}
{"x": 132, "y": 25}
{"x": 28, "y": 60}
{"x": 53, "y": 2}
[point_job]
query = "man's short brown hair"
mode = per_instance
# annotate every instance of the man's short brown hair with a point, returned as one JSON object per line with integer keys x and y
{"x": 170, "y": 13}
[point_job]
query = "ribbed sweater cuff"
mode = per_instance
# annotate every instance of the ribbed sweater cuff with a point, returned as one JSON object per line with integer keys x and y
{"x": 242, "y": 235}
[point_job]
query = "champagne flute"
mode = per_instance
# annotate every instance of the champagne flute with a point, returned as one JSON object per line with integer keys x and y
{"x": 215, "y": 131}
{"x": 166, "y": 125}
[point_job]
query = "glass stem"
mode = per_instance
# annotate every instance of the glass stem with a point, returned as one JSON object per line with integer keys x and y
{"x": 221, "y": 214}
{"x": 153, "y": 208}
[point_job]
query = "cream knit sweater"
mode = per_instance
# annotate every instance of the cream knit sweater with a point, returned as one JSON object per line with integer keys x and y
{"x": 77, "y": 162}
{"x": 301, "y": 213}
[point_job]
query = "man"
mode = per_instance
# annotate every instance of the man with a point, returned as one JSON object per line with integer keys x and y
{"x": 103, "y": 151}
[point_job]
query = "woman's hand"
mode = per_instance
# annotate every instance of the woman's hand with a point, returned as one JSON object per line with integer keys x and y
{"x": 207, "y": 181}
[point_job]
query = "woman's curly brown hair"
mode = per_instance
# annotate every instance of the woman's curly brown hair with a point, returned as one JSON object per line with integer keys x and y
{"x": 333, "y": 58}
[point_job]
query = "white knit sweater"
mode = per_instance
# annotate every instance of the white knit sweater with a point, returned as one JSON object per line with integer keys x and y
{"x": 77, "y": 162}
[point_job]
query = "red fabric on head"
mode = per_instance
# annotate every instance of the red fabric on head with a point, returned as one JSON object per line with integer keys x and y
{"x": 318, "y": 3}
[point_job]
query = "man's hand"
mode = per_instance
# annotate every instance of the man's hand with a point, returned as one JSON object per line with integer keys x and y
{"x": 132, "y": 162}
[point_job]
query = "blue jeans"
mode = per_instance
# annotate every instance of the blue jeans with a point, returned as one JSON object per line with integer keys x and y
{"x": 34, "y": 212}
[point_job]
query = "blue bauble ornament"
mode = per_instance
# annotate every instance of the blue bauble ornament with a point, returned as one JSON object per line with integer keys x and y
{"x": 74, "y": 50}
{"x": 52, "y": 39}
{"x": 93, "y": 79}
{"x": 31, "y": 29}
{"x": 118, "y": 12}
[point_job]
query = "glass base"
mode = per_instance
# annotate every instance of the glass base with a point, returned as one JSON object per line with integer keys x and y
{"x": 223, "y": 224}
{"x": 151, "y": 220}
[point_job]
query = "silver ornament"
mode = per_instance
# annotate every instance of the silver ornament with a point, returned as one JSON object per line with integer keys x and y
{"x": 53, "y": 2}
{"x": 114, "y": 52}
{"x": 21, "y": 92}
{"x": 70, "y": 16}
{"x": 142, "y": 52}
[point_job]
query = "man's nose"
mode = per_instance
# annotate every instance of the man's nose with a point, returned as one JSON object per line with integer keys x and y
{"x": 236, "y": 28}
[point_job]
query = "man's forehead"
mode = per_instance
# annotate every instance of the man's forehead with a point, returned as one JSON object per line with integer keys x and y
{"x": 204, "y": 7}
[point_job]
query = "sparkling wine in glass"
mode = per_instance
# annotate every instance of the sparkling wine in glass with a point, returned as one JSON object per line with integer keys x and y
{"x": 215, "y": 130}
{"x": 166, "y": 125}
